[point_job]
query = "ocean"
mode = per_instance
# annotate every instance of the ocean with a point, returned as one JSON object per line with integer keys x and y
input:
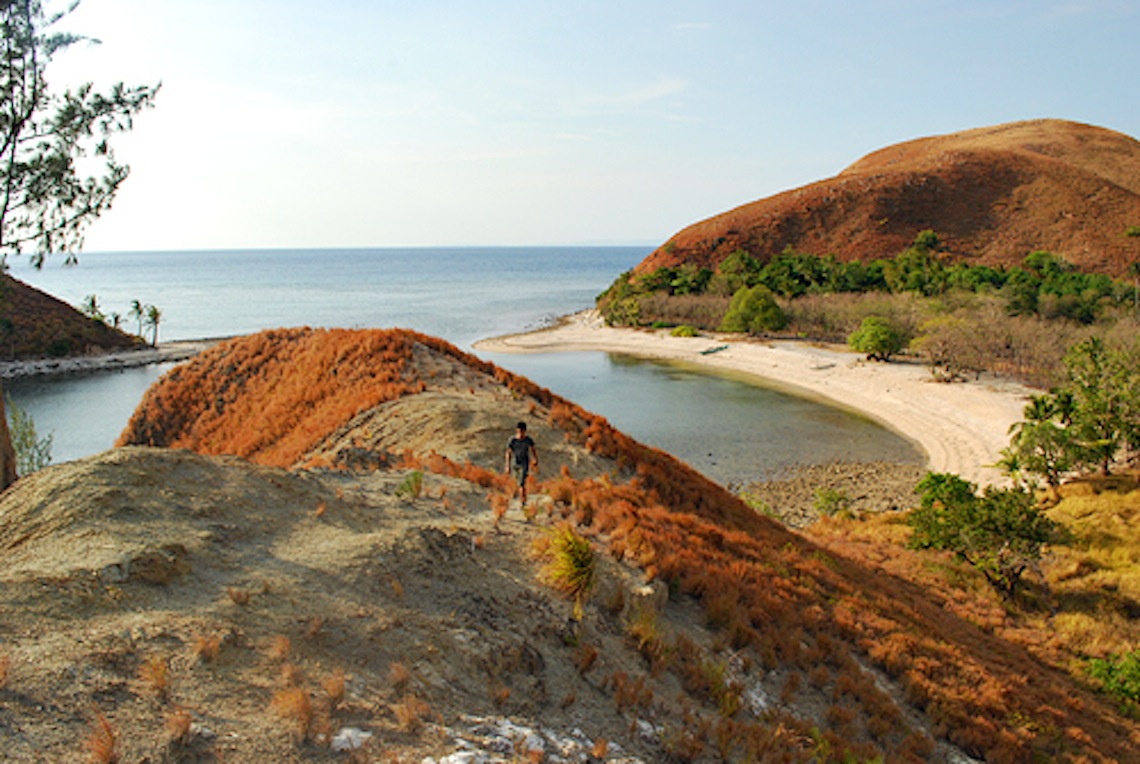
{"x": 731, "y": 429}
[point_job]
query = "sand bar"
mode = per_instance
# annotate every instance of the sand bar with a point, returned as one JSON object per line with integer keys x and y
{"x": 962, "y": 427}
{"x": 166, "y": 352}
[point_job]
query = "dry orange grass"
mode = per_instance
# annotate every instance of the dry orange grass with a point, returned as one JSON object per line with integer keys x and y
{"x": 410, "y": 712}
{"x": 792, "y": 600}
{"x": 279, "y": 649}
{"x": 102, "y": 743}
{"x": 295, "y": 708}
{"x": 334, "y": 686}
{"x": 399, "y": 677}
{"x": 206, "y": 647}
{"x": 177, "y": 724}
{"x": 154, "y": 676}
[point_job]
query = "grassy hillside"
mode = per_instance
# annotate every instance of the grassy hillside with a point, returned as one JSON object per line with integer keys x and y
{"x": 36, "y": 325}
{"x": 994, "y": 194}
{"x": 856, "y": 657}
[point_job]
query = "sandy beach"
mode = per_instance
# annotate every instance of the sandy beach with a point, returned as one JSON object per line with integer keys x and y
{"x": 962, "y": 427}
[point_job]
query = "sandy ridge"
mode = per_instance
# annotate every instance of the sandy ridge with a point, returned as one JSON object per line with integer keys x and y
{"x": 962, "y": 427}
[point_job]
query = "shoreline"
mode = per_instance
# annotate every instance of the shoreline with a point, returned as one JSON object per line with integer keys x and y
{"x": 961, "y": 427}
{"x": 166, "y": 352}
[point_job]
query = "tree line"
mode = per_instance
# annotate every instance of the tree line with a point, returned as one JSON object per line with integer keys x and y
{"x": 1044, "y": 284}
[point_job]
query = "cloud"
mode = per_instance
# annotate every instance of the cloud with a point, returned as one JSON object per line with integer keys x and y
{"x": 631, "y": 99}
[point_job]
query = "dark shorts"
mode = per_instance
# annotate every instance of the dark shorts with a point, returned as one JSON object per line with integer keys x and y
{"x": 520, "y": 471}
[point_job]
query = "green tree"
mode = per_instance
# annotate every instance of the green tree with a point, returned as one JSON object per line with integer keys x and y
{"x": 137, "y": 313}
{"x": 91, "y": 308}
{"x": 1001, "y": 532}
{"x": 1105, "y": 402}
{"x": 877, "y": 338}
{"x": 1042, "y": 444}
{"x": 753, "y": 310}
{"x": 46, "y": 198}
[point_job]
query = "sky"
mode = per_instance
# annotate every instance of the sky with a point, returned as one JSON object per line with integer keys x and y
{"x": 354, "y": 123}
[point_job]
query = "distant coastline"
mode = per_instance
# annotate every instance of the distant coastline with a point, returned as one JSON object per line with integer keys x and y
{"x": 962, "y": 427}
{"x": 166, "y": 352}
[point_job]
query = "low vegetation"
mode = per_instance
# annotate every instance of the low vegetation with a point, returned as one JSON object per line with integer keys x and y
{"x": 837, "y": 616}
{"x": 960, "y": 318}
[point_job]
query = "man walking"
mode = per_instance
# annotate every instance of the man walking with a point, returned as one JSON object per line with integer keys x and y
{"x": 520, "y": 454}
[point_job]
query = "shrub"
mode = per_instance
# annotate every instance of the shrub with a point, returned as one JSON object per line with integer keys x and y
{"x": 412, "y": 485}
{"x": 334, "y": 686}
{"x": 684, "y": 330}
{"x": 753, "y": 310}
{"x": 1000, "y": 532}
{"x": 293, "y": 705}
{"x": 33, "y": 453}
{"x": 831, "y": 502}
{"x": 877, "y": 338}
{"x": 571, "y": 565}
{"x": 1120, "y": 675}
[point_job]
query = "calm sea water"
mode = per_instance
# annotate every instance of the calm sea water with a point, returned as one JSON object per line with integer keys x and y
{"x": 728, "y": 428}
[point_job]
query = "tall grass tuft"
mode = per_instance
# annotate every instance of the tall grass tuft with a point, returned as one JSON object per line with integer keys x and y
{"x": 103, "y": 742}
{"x": 571, "y": 565}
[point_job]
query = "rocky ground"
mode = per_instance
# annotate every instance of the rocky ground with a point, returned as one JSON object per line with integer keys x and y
{"x": 811, "y": 491}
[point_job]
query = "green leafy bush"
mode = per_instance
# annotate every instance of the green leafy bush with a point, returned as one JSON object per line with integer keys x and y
{"x": 1001, "y": 532}
{"x": 684, "y": 331}
{"x": 753, "y": 310}
{"x": 877, "y": 338}
{"x": 1120, "y": 675}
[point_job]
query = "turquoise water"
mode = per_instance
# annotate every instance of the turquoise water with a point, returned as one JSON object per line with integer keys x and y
{"x": 730, "y": 429}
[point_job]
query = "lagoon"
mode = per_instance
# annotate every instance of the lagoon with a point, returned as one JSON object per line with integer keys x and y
{"x": 730, "y": 429}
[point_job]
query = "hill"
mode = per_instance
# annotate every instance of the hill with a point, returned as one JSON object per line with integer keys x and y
{"x": 36, "y": 325}
{"x": 992, "y": 194}
{"x": 342, "y": 554}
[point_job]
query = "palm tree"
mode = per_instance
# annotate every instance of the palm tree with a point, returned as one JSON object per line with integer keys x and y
{"x": 91, "y": 308}
{"x": 153, "y": 317}
{"x": 138, "y": 312}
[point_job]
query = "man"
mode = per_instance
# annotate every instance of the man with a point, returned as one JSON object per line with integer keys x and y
{"x": 520, "y": 453}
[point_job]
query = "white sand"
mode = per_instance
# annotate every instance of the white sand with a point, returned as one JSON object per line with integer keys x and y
{"x": 962, "y": 427}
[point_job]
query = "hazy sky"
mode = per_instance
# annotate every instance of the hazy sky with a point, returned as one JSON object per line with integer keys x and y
{"x": 351, "y": 123}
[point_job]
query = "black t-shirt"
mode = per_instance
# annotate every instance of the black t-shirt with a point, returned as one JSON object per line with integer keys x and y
{"x": 520, "y": 448}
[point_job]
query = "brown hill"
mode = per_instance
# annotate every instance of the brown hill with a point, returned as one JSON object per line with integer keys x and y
{"x": 228, "y": 598}
{"x": 993, "y": 195}
{"x": 34, "y": 324}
